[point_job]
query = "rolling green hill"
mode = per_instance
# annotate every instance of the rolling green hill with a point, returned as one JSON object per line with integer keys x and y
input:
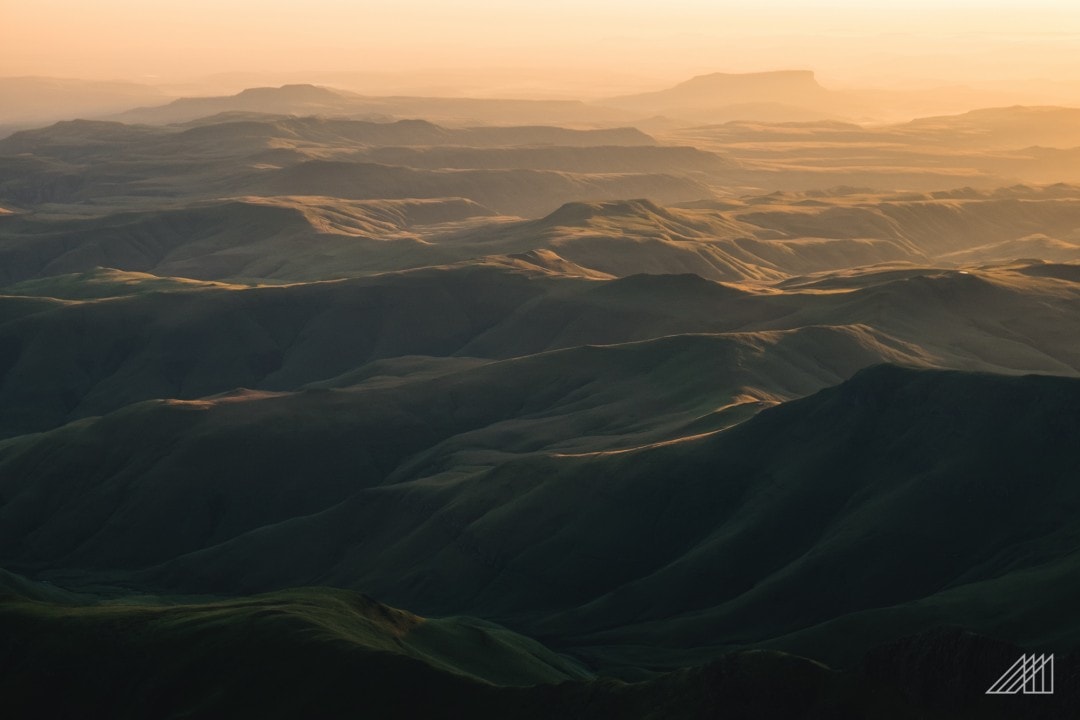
{"x": 741, "y": 420}
{"x": 892, "y": 503}
{"x": 340, "y": 654}
{"x": 100, "y": 355}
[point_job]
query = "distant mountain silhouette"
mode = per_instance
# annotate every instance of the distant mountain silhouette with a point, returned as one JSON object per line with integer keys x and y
{"x": 786, "y": 95}
{"x": 47, "y": 99}
{"x": 1007, "y": 127}
{"x": 314, "y": 100}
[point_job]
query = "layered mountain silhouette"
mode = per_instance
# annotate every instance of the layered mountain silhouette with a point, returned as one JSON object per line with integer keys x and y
{"x": 83, "y": 161}
{"x": 188, "y": 340}
{"x": 321, "y": 403}
{"x": 303, "y": 99}
{"x": 280, "y": 237}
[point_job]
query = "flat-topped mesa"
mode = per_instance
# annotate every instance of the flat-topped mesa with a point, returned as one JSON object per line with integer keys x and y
{"x": 300, "y": 92}
{"x": 732, "y": 88}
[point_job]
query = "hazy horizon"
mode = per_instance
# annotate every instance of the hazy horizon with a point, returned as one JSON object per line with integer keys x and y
{"x": 554, "y": 50}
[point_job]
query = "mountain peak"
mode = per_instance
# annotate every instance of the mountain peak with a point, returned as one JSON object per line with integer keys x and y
{"x": 580, "y": 213}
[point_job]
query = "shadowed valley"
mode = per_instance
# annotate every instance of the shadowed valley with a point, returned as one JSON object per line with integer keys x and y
{"x": 713, "y": 401}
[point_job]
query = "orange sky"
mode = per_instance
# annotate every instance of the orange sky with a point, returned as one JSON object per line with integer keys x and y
{"x": 557, "y": 44}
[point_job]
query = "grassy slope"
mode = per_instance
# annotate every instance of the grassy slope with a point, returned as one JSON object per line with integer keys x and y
{"x": 901, "y": 499}
{"x": 300, "y": 237}
{"x": 99, "y": 356}
{"x": 336, "y": 654}
{"x": 304, "y": 452}
{"x": 833, "y": 500}
{"x": 583, "y": 495}
{"x": 317, "y": 650}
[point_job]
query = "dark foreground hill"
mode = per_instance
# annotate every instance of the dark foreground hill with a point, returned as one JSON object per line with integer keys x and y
{"x": 895, "y": 502}
{"x": 336, "y": 654}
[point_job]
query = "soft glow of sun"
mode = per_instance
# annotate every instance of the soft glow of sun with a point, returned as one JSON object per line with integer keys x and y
{"x": 610, "y": 44}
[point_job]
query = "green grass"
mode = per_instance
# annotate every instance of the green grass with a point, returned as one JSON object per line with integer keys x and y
{"x": 330, "y": 653}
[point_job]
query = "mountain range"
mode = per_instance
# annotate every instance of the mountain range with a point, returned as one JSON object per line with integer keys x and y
{"x": 320, "y": 403}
